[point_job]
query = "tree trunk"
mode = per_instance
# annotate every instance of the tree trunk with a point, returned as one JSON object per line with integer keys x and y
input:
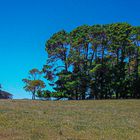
{"x": 33, "y": 96}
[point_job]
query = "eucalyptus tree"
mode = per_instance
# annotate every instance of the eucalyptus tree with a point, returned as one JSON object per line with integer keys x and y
{"x": 33, "y": 83}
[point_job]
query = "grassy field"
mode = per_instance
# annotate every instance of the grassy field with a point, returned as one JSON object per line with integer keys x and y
{"x": 70, "y": 120}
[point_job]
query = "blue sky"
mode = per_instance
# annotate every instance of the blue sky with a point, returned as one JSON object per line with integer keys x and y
{"x": 25, "y": 25}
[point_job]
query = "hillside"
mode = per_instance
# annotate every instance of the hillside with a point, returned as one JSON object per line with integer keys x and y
{"x": 70, "y": 120}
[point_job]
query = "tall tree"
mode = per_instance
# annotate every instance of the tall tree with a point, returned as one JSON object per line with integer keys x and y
{"x": 99, "y": 61}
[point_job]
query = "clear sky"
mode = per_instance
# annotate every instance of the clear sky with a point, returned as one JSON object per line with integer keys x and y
{"x": 25, "y": 25}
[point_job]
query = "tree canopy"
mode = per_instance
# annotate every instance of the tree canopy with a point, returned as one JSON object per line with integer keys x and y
{"x": 90, "y": 62}
{"x": 99, "y": 61}
{"x": 33, "y": 83}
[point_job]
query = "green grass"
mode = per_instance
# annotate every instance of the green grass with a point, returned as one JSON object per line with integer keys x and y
{"x": 70, "y": 120}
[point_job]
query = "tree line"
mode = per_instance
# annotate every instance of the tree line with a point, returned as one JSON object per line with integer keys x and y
{"x": 91, "y": 62}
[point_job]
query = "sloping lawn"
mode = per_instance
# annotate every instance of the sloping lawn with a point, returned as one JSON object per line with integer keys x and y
{"x": 70, "y": 120}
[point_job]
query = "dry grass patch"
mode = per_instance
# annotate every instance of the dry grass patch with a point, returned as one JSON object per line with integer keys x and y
{"x": 70, "y": 120}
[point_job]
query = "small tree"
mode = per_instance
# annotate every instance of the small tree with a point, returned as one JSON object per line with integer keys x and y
{"x": 33, "y": 83}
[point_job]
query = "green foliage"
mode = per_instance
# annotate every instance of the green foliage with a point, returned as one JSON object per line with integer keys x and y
{"x": 100, "y": 61}
{"x": 96, "y": 68}
{"x": 33, "y": 84}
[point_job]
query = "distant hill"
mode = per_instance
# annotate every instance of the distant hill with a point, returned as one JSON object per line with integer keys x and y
{"x": 5, "y": 95}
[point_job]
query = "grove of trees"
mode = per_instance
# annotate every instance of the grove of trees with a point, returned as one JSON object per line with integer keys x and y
{"x": 94, "y": 62}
